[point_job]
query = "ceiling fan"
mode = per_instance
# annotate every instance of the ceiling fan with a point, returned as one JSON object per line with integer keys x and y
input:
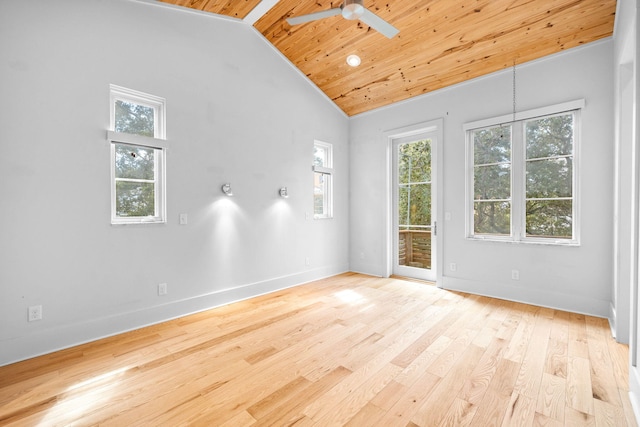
{"x": 352, "y": 10}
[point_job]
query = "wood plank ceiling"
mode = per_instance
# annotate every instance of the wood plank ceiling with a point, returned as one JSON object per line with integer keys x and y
{"x": 440, "y": 43}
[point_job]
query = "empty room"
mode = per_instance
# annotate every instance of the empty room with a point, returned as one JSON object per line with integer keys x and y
{"x": 319, "y": 213}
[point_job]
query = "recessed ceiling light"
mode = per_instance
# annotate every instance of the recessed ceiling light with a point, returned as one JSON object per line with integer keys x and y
{"x": 353, "y": 60}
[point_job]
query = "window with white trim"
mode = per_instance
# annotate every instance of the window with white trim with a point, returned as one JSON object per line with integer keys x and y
{"x": 523, "y": 176}
{"x": 322, "y": 180}
{"x": 137, "y": 157}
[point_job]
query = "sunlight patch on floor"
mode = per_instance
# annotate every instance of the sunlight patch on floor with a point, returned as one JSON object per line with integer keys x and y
{"x": 81, "y": 398}
{"x": 350, "y": 296}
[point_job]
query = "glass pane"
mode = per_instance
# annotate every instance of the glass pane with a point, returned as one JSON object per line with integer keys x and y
{"x": 319, "y": 192}
{"x": 492, "y": 182}
{"x": 492, "y": 218}
{"x": 414, "y": 162}
{"x": 492, "y": 145}
{"x": 550, "y": 178}
{"x": 414, "y": 206}
{"x": 133, "y": 118}
{"x": 319, "y": 156}
{"x": 134, "y": 162}
{"x": 550, "y": 218}
{"x": 135, "y": 199}
{"x": 549, "y": 136}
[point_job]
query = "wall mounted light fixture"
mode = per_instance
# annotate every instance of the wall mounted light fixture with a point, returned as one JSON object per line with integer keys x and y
{"x": 283, "y": 192}
{"x": 226, "y": 189}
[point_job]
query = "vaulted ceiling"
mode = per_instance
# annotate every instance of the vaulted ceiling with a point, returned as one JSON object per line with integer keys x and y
{"x": 440, "y": 42}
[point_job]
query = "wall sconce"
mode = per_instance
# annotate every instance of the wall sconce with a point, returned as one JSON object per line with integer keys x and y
{"x": 283, "y": 192}
{"x": 226, "y": 189}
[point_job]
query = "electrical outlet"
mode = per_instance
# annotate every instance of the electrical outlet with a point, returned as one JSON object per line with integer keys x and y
{"x": 453, "y": 266}
{"x": 307, "y": 261}
{"x": 515, "y": 274}
{"x": 162, "y": 289}
{"x": 35, "y": 313}
{"x": 361, "y": 255}
{"x": 184, "y": 218}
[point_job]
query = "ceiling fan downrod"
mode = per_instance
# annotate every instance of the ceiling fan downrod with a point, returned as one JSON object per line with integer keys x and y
{"x": 352, "y": 9}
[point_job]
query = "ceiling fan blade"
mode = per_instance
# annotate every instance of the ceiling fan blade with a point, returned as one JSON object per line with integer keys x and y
{"x": 378, "y": 24}
{"x": 314, "y": 16}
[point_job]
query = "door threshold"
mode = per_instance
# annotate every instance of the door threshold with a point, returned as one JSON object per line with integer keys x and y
{"x": 412, "y": 279}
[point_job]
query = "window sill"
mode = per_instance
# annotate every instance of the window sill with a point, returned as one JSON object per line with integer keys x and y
{"x": 569, "y": 243}
{"x": 139, "y": 222}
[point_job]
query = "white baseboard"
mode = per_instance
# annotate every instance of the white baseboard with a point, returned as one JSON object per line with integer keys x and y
{"x": 634, "y": 391}
{"x": 70, "y": 335}
{"x": 530, "y": 295}
{"x": 612, "y": 319}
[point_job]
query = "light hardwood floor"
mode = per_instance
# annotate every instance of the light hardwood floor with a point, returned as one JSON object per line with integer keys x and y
{"x": 348, "y": 350}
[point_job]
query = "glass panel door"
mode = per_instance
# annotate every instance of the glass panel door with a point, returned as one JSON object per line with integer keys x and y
{"x": 413, "y": 206}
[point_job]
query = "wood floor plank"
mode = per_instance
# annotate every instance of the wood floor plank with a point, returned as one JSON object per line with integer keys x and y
{"x": 389, "y": 395}
{"x": 579, "y": 389}
{"x": 290, "y": 412}
{"x": 529, "y": 377}
{"x": 275, "y": 399}
{"x": 574, "y": 418}
{"x": 521, "y": 411}
{"x": 448, "y": 358}
{"x": 409, "y": 402}
{"x": 355, "y": 400}
{"x": 436, "y": 406}
{"x": 603, "y": 381}
{"x": 243, "y": 419}
{"x": 497, "y": 401}
{"x": 365, "y": 415}
{"x": 578, "y": 346}
{"x": 540, "y": 420}
{"x": 552, "y": 397}
{"x": 558, "y": 346}
{"x": 460, "y": 413}
{"x": 420, "y": 364}
{"x": 349, "y": 350}
{"x": 478, "y": 382}
{"x": 607, "y": 414}
{"x": 410, "y": 353}
{"x": 520, "y": 340}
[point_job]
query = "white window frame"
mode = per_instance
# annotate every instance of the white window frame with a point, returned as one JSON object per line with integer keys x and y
{"x": 327, "y": 173}
{"x": 119, "y": 93}
{"x": 157, "y": 143}
{"x": 518, "y": 174}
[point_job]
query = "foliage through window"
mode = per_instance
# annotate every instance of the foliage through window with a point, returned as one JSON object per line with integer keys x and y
{"x": 523, "y": 179}
{"x": 134, "y": 118}
{"x": 322, "y": 180}
{"x": 137, "y": 161}
{"x": 414, "y": 185}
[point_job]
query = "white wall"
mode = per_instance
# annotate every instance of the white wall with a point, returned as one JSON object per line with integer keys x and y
{"x": 236, "y": 111}
{"x": 625, "y": 291}
{"x": 571, "y": 278}
{"x": 624, "y": 171}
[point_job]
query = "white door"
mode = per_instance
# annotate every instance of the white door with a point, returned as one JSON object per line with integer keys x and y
{"x": 414, "y": 195}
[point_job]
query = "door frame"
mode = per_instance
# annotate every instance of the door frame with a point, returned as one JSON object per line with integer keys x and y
{"x": 431, "y": 126}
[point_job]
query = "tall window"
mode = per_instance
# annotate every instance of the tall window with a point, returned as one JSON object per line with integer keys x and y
{"x": 322, "y": 180}
{"x": 137, "y": 158}
{"x": 523, "y": 178}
